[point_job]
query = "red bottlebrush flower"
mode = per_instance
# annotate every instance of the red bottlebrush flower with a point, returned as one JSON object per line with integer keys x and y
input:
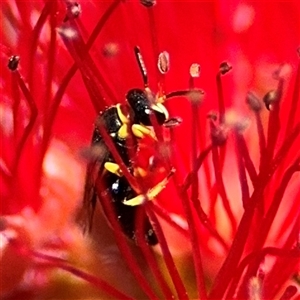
{"x": 227, "y": 221}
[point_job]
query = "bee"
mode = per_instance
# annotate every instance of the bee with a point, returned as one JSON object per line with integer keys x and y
{"x": 127, "y": 124}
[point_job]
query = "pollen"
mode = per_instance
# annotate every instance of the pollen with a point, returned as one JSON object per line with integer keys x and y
{"x": 195, "y": 70}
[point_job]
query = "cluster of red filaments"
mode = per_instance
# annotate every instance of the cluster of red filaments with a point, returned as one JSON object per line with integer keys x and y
{"x": 244, "y": 273}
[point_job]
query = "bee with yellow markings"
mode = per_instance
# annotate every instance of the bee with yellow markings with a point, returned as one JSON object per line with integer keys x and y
{"x": 132, "y": 121}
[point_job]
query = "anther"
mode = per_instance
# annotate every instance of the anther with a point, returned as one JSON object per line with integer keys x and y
{"x": 196, "y": 96}
{"x": 195, "y": 70}
{"x": 13, "y": 62}
{"x": 270, "y": 98}
{"x": 67, "y": 32}
{"x": 73, "y": 11}
{"x": 218, "y": 133}
{"x": 172, "y": 122}
{"x": 110, "y": 49}
{"x": 163, "y": 62}
{"x": 253, "y": 101}
{"x": 225, "y": 67}
{"x": 282, "y": 72}
{"x": 254, "y": 288}
{"x": 148, "y": 3}
{"x": 235, "y": 121}
{"x": 212, "y": 115}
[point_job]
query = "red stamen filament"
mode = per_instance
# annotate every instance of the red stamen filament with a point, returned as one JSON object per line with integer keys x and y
{"x": 71, "y": 72}
{"x": 195, "y": 245}
{"x": 273, "y": 126}
{"x": 180, "y": 289}
{"x": 194, "y": 144}
{"x": 249, "y": 165}
{"x": 221, "y": 188}
{"x": 28, "y": 128}
{"x": 220, "y": 97}
{"x": 149, "y": 256}
{"x": 91, "y": 76}
{"x": 16, "y": 102}
{"x": 47, "y": 10}
{"x": 259, "y": 255}
{"x": 165, "y": 215}
{"x": 295, "y": 102}
{"x": 191, "y": 176}
{"x": 242, "y": 170}
{"x": 154, "y": 41}
{"x": 51, "y": 59}
{"x": 269, "y": 218}
{"x": 261, "y": 137}
{"x": 198, "y": 208}
{"x": 228, "y": 268}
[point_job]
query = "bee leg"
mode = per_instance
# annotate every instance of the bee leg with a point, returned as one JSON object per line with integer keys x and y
{"x": 141, "y": 131}
{"x": 113, "y": 168}
{"x": 151, "y": 193}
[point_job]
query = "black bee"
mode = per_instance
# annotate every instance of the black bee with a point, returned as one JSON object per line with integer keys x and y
{"x": 126, "y": 122}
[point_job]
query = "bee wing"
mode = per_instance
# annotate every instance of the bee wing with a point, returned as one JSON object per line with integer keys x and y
{"x": 94, "y": 169}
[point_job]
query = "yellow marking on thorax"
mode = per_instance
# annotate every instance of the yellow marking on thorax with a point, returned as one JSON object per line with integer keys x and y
{"x": 123, "y": 132}
{"x": 124, "y": 119}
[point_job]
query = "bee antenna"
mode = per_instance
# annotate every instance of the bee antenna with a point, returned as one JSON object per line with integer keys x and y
{"x": 141, "y": 64}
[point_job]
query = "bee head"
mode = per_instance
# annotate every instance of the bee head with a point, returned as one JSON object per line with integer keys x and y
{"x": 143, "y": 108}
